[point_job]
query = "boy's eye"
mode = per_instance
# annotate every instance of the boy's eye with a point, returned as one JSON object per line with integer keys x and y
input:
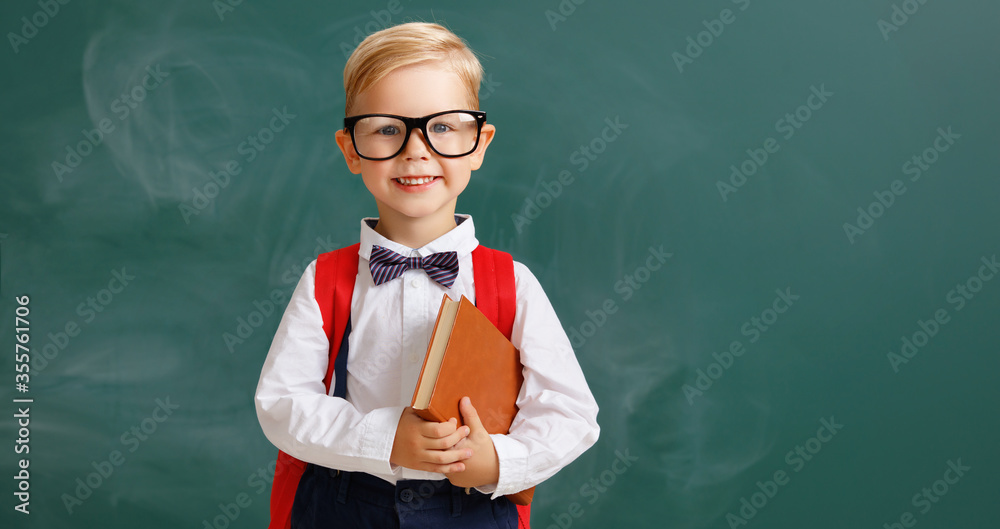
{"x": 439, "y": 128}
{"x": 388, "y": 130}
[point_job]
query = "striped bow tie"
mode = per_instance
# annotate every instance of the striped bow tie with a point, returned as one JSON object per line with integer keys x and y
{"x": 387, "y": 265}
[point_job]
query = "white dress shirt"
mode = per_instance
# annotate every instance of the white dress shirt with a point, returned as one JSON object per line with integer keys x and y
{"x": 391, "y": 326}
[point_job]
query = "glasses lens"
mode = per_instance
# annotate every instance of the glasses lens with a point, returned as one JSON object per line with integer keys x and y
{"x": 379, "y": 136}
{"x": 453, "y": 134}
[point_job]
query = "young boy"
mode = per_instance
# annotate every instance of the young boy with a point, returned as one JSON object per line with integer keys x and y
{"x": 372, "y": 461}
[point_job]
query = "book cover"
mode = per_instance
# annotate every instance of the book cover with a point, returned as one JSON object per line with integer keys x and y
{"x": 468, "y": 356}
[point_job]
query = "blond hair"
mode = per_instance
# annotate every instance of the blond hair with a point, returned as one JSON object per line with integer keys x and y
{"x": 407, "y": 44}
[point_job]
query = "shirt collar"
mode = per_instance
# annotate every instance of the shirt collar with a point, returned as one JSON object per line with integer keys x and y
{"x": 461, "y": 239}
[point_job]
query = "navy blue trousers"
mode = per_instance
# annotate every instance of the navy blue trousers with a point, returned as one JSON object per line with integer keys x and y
{"x": 328, "y": 498}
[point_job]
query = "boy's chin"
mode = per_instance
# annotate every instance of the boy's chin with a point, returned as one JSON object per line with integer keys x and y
{"x": 420, "y": 213}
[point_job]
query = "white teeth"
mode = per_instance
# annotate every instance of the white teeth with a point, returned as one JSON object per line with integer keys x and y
{"x": 414, "y": 181}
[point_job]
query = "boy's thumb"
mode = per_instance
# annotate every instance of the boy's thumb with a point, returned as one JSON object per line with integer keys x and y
{"x": 470, "y": 414}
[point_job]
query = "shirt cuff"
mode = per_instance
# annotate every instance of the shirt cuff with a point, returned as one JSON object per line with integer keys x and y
{"x": 513, "y": 458}
{"x": 379, "y": 434}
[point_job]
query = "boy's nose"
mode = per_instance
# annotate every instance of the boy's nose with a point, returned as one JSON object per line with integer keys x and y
{"x": 416, "y": 146}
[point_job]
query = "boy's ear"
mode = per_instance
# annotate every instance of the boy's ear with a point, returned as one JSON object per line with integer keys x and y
{"x": 485, "y": 137}
{"x": 350, "y": 155}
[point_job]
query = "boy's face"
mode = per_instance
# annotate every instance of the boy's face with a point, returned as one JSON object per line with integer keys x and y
{"x": 415, "y": 91}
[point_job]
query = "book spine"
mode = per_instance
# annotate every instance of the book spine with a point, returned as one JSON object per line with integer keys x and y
{"x": 423, "y": 366}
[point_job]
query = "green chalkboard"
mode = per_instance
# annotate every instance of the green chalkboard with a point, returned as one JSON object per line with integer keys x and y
{"x": 770, "y": 229}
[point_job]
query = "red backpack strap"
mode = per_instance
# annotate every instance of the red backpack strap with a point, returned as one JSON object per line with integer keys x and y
{"x": 496, "y": 297}
{"x": 336, "y": 272}
{"x": 335, "y": 276}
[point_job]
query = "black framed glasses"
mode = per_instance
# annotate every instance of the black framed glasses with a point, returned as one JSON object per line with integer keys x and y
{"x": 452, "y": 133}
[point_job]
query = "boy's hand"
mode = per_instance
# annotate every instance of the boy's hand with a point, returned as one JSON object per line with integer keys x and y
{"x": 429, "y": 446}
{"x": 483, "y": 468}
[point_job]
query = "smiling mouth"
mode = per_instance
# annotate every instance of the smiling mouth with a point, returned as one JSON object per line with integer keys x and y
{"x": 415, "y": 181}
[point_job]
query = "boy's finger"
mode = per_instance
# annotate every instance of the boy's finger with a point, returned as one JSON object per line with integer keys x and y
{"x": 437, "y": 430}
{"x": 446, "y": 457}
{"x": 451, "y": 440}
{"x": 443, "y": 469}
{"x": 469, "y": 414}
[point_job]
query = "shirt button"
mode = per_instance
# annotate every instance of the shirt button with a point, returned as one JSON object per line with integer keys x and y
{"x": 413, "y": 358}
{"x": 414, "y": 283}
{"x": 406, "y": 495}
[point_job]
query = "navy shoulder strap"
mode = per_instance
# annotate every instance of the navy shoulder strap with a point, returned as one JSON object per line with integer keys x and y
{"x": 340, "y": 365}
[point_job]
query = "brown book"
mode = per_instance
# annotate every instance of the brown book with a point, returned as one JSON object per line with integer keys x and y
{"x": 468, "y": 356}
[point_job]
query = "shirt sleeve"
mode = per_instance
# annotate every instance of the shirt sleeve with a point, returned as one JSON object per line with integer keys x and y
{"x": 557, "y": 414}
{"x": 293, "y": 408}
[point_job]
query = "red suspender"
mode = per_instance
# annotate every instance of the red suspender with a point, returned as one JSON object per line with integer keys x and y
{"x": 336, "y": 271}
{"x": 335, "y": 275}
